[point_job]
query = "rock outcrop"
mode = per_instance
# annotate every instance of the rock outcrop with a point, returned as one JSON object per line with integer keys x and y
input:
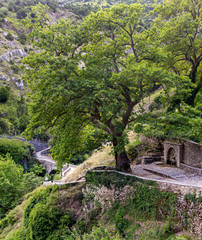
{"x": 11, "y": 54}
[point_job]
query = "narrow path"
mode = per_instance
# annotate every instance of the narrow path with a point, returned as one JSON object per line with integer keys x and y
{"x": 167, "y": 174}
{"x": 144, "y": 171}
{"x": 46, "y": 158}
{"x": 48, "y": 162}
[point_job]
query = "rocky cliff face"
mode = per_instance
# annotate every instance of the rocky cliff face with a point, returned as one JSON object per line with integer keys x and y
{"x": 13, "y": 53}
{"x": 12, "y": 56}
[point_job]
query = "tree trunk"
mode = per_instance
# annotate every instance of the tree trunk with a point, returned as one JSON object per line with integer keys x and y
{"x": 122, "y": 161}
{"x": 191, "y": 98}
{"x": 192, "y": 76}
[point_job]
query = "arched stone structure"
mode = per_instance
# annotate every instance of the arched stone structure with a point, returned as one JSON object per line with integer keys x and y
{"x": 172, "y": 153}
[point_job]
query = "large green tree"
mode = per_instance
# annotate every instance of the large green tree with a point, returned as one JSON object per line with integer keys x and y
{"x": 93, "y": 74}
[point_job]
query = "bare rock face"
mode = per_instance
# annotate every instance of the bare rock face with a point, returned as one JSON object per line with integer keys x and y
{"x": 19, "y": 83}
{"x": 11, "y": 54}
{"x": 4, "y": 78}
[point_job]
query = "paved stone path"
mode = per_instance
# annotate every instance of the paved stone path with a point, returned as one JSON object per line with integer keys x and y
{"x": 157, "y": 172}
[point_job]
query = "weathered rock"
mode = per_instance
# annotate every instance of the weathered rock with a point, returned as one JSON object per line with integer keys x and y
{"x": 11, "y": 54}
{"x": 20, "y": 84}
{"x": 4, "y": 78}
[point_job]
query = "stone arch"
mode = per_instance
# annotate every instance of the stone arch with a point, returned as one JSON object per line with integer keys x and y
{"x": 172, "y": 153}
{"x": 53, "y": 171}
{"x": 171, "y": 157}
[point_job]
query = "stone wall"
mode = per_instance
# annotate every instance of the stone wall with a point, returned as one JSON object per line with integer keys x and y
{"x": 192, "y": 153}
{"x": 188, "y": 213}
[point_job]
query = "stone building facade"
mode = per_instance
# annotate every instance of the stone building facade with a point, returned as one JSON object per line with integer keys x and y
{"x": 183, "y": 153}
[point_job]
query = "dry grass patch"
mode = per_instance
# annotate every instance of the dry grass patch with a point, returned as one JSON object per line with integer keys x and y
{"x": 99, "y": 157}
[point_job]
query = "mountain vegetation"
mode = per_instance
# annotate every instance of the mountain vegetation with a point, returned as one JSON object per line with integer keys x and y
{"x": 84, "y": 76}
{"x": 119, "y": 57}
{"x": 62, "y": 212}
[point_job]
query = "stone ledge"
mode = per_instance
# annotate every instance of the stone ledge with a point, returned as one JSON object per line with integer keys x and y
{"x": 191, "y": 169}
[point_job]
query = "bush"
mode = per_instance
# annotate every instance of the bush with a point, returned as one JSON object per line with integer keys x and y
{"x": 4, "y": 94}
{"x": 100, "y": 232}
{"x": 120, "y": 222}
{"x": 29, "y": 182}
{"x": 43, "y": 220}
{"x": 15, "y": 69}
{"x": 11, "y": 176}
{"x": 3, "y": 11}
{"x": 39, "y": 196}
{"x": 150, "y": 203}
{"x": 4, "y": 125}
{"x": 107, "y": 178}
{"x": 22, "y": 38}
{"x": 18, "y": 150}
{"x": 9, "y": 37}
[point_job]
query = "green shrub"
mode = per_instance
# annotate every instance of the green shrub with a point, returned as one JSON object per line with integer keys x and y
{"x": 190, "y": 197}
{"x": 15, "y": 69}
{"x": 120, "y": 222}
{"x": 22, "y": 38}
{"x": 39, "y": 196}
{"x": 193, "y": 198}
{"x": 38, "y": 170}
{"x": 98, "y": 233}
{"x": 29, "y": 182}
{"x": 153, "y": 232}
{"x": 20, "y": 234}
{"x": 10, "y": 176}
{"x": 43, "y": 220}
{"x": 4, "y": 94}
{"x": 3, "y": 11}
{"x": 4, "y": 125}
{"x": 19, "y": 150}
{"x": 150, "y": 203}
{"x": 107, "y": 178}
{"x": 9, "y": 37}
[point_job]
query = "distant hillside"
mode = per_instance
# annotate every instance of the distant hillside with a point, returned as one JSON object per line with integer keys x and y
{"x": 14, "y": 47}
{"x": 82, "y": 8}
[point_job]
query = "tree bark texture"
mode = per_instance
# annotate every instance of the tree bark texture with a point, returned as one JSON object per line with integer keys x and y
{"x": 122, "y": 161}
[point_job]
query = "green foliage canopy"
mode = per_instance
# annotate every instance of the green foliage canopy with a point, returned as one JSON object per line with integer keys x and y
{"x": 17, "y": 149}
{"x": 94, "y": 74}
{"x": 10, "y": 181}
{"x": 178, "y": 28}
{"x": 4, "y": 94}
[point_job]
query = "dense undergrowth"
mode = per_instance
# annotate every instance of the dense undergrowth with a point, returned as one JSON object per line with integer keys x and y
{"x": 58, "y": 212}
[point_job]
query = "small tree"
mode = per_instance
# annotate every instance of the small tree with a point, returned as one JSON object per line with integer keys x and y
{"x": 4, "y": 94}
{"x": 9, "y": 37}
{"x": 11, "y": 176}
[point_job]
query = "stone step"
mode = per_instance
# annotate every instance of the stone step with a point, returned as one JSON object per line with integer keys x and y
{"x": 150, "y": 159}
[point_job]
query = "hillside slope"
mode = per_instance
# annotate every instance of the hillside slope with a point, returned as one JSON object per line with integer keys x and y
{"x": 102, "y": 210}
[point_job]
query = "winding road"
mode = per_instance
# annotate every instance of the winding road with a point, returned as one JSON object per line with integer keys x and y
{"x": 152, "y": 172}
{"x": 50, "y": 165}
